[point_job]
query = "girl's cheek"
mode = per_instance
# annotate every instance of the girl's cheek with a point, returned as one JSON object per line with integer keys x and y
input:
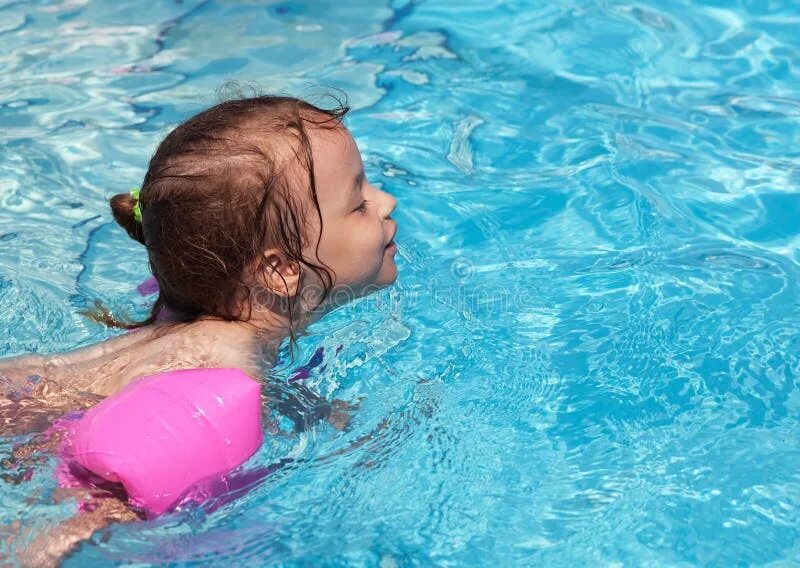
{"x": 378, "y": 238}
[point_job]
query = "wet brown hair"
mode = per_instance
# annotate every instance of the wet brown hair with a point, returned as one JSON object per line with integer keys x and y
{"x": 216, "y": 194}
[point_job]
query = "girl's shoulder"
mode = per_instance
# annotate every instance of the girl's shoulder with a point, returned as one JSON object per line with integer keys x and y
{"x": 195, "y": 345}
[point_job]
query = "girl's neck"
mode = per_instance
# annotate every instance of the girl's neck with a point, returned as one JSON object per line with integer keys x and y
{"x": 258, "y": 338}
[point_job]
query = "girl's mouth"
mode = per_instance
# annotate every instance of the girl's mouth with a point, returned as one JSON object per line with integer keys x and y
{"x": 391, "y": 246}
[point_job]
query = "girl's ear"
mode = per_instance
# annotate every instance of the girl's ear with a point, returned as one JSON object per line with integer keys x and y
{"x": 282, "y": 274}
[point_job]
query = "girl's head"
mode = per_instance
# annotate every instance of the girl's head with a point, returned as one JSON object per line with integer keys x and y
{"x": 259, "y": 207}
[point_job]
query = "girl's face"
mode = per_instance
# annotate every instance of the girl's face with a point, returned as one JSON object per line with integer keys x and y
{"x": 357, "y": 240}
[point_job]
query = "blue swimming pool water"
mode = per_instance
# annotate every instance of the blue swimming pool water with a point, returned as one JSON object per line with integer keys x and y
{"x": 591, "y": 354}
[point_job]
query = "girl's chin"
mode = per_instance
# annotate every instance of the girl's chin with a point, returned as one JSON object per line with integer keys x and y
{"x": 388, "y": 272}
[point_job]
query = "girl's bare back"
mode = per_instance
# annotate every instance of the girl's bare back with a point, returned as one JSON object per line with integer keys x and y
{"x": 37, "y": 388}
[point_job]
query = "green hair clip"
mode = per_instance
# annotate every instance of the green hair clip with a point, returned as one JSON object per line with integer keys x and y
{"x": 137, "y": 209}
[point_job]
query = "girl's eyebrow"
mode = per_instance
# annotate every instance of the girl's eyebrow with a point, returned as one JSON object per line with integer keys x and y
{"x": 358, "y": 181}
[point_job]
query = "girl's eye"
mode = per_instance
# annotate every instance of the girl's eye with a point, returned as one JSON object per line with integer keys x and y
{"x": 363, "y": 207}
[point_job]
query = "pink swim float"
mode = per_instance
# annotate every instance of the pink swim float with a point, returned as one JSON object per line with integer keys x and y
{"x": 168, "y": 435}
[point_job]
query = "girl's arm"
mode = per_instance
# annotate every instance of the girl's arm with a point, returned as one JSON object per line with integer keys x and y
{"x": 49, "y": 547}
{"x": 73, "y": 369}
{"x": 30, "y": 404}
{"x": 17, "y": 368}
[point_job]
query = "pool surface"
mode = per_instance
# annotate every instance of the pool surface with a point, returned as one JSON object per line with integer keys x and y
{"x": 591, "y": 356}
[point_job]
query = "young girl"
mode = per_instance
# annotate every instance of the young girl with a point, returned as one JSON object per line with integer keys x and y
{"x": 257, "y": 218}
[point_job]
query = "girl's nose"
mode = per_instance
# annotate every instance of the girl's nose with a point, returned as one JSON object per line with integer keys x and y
{"x": 388, "y": 203}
